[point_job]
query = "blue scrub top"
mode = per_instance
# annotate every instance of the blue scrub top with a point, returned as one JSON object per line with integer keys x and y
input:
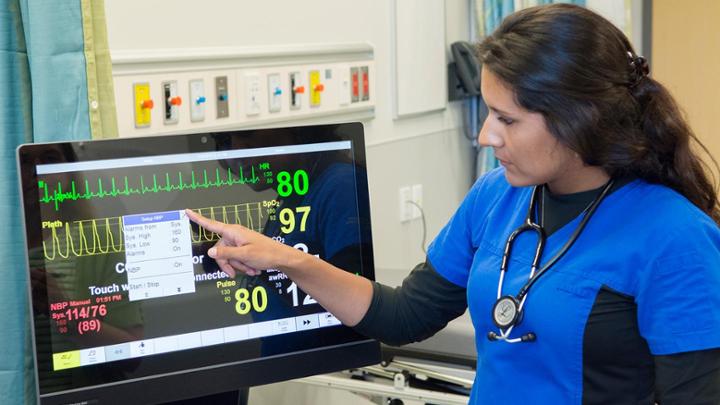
{"x": 644, "y": 240}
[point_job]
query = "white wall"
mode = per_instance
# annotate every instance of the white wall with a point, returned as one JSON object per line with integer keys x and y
{"x": 427, "y": 149}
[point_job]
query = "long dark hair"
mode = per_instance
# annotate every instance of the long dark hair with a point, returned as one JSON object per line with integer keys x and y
{"x": 581, "y": 73}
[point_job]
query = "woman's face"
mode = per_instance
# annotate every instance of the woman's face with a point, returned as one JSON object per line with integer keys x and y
{"x": 521, "y": 140}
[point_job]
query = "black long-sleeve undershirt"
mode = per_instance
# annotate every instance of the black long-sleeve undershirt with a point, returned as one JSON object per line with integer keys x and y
{"x": 419, "y": 308}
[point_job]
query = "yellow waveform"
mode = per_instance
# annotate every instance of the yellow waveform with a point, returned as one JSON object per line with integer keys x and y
{"x": 252, "y": 220}
{"x": 105, "y": 235}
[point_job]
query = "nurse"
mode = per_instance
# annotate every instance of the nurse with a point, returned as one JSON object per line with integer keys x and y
{"x": 590, "y": 261}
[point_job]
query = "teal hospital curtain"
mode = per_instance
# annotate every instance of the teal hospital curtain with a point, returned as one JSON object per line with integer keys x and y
{"x": 490, "y": 14}
{"x": 44, "y": 82}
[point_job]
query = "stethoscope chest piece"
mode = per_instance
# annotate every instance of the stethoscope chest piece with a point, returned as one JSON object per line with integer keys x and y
{"x": 506, "y": 312}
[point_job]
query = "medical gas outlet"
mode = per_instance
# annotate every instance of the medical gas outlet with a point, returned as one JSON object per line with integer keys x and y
{"x": 221, "y": 99}
{"x": 274, "y": 93}
{"x": 197, "y": 100}
{"x": 143, "y": 105}
{"x": 171, "y": 101}
{"x": 297, "y": 89}
{"x": 316, "y": 88}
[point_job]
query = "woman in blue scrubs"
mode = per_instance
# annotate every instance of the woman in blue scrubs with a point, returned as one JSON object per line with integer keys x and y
{"x": 609, "y": 290}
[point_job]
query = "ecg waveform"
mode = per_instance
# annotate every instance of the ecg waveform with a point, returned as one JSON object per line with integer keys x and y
{"x": 105, "y": 235}
{"x": 57, "y": 196}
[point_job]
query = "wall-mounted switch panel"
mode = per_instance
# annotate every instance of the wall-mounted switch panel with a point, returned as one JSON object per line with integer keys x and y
{"x": 221, "y": 97}
{"x": 355, "y": 84}
{"x": 365, "y": 73}
{"x": 143, "y": 104}
{"x": 274, "y": 93}
{"x": 197, "y": 100}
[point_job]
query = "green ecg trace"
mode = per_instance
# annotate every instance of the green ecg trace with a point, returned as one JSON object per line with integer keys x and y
{"x": 58, "y": 196}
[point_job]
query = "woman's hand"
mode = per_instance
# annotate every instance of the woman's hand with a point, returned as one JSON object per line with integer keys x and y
{"x": 242, "y": 249}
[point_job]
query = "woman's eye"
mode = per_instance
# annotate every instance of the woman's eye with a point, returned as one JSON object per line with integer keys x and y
{"x": 506, "y": 121}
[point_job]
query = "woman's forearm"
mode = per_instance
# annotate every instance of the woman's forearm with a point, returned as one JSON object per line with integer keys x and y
{"x": 345, "y": 295}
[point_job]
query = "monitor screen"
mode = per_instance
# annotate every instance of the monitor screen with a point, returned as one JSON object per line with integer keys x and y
{"x": 127, "y": 306}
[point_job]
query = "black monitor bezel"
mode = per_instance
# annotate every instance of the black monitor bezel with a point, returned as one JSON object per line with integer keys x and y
{"x": 355, "y": 352}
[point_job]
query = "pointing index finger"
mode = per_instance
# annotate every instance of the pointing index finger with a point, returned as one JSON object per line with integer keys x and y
{"x": 209, "y": 224}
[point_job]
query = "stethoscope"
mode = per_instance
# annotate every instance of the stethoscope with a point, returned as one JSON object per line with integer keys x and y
{"x": 508, "y": 309}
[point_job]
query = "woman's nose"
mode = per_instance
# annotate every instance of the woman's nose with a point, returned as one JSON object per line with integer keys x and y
{"x": 489, "y": 136}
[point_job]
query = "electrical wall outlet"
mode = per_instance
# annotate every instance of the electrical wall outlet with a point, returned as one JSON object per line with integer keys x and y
{"x": 417, "y": 198}
{"x": 252, "y": 94}
{"x": 405, "y": 195}
{"x": 344, "y": 96}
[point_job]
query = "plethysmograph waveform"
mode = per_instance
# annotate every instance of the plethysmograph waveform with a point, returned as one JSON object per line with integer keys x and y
{"x": 87, "y": 190}
{"x": 105, "y": 235}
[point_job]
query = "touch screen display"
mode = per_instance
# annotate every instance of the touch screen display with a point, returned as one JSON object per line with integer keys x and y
{"x": 122, "y": 286}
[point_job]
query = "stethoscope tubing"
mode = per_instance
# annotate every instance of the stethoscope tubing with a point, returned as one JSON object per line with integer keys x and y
{"x": 534, "y": 276}
{"x": 573, "y": 238}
